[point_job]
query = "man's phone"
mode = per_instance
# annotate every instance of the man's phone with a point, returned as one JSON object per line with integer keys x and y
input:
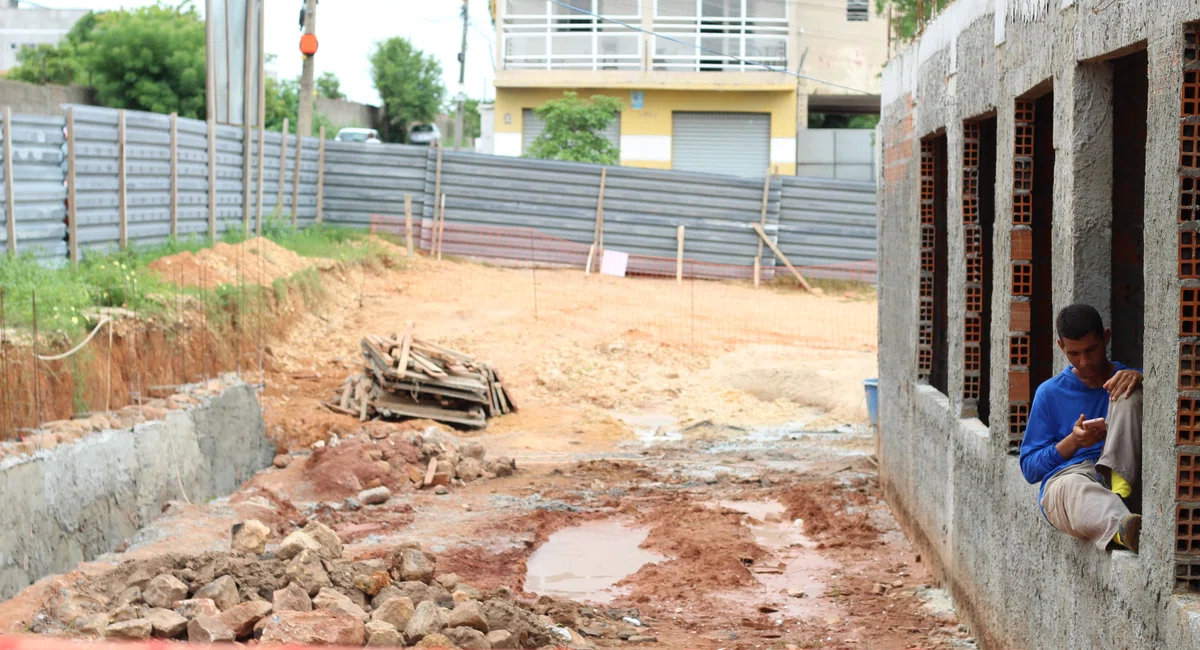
{"x": 1087, "y": 424}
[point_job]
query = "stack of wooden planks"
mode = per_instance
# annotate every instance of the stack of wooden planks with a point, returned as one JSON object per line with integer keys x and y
{"x": 405, "y": 377}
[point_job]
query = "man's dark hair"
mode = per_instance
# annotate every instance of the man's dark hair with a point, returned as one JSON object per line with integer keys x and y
{"x": 1075, "y": 322}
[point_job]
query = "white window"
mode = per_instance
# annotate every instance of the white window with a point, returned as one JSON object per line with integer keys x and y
{"x": 712, "y": 32}
{"x": 857, "y": 11}
{"x": 541, "y": 35}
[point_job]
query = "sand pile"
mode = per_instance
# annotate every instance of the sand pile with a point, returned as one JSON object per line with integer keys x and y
{"x": 255, "y": 261}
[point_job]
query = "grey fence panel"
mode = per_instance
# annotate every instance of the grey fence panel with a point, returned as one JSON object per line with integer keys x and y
{"x": 365, "y": 179}
{"x": 309, "y": 171}
{"x": 38, "y": 188}
{"x": 230, "y": 201}
{"x": 147, "y": 177}
{"x": 826, "y": 221}
{"x": 96, "y": 156}
{"x": 192, "y": 171}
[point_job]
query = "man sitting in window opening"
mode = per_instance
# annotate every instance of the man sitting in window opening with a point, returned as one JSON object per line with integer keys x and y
{"x": 1084, "y": 437}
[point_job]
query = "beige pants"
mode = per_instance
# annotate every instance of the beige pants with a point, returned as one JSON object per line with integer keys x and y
{"x": 1077, "y": 500}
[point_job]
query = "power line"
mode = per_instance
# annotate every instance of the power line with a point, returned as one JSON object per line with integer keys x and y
{"x": 705, "y": 49}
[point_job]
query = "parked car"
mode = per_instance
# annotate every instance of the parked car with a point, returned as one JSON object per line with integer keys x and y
{"x": 358, "y": 135}
{"x": 424, "y": 134}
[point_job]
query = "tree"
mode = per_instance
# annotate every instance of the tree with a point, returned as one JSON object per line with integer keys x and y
{"x": 842, "y": 121}
{"x": 409, "y": 82}
{"x": 575, "y": 130}
{"x": 283, "y": 100}
{"x": 329, "y": 86}
{"x": 905, "y": 14}
{"x": 471, "y": 120}
{"x": 56, "y": 64}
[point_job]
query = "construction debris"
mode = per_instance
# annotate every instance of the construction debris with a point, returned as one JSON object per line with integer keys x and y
{"x": 405, "y": 377}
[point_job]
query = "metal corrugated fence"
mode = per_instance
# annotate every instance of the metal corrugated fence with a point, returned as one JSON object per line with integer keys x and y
{"x": 38, "y": 187}
{"x": 365, "y": 179}
{"x": 824, "y": 221}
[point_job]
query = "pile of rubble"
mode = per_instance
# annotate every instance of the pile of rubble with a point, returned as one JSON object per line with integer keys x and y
{"x": 301, "y": 592}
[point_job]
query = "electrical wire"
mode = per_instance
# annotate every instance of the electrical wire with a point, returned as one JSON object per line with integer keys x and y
{"x": 705, "y": 49}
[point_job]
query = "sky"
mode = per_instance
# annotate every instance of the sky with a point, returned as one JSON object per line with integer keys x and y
{"x": 348, "y": 29}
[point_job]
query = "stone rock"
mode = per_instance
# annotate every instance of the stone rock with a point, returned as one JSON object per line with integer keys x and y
{"x": 470, "y": 469}
{"x": 241, "y": 619}
{"x": 383, "y": 635}
{"x": 292, "y": 598}
{"x": 372, "y": 583}
{"x": 441, "y": 490}
{"x": 208, "y": 629}
{"x": 359, "y": 598}
{"x": 396, "y": 611}
{"x": 166, "y": 623}
{"x": 197, "y": 607}
{"x": 374, "y": 496}
{"x": 282, "y": 460}
{"x": 130, "y": 596}
{"x": 642, "y": 639}
{"x": 879, "y": 589}
{"x": 338, "y": 603}
{"x": 384, "y": 595}
{"x": 436, "y": 640}
{"x": 223, "y": 592}
{"x": 448, "y": 580}
{"x": 502, "y": 467}
{"x": 352, "y": 504}
{"x": 468, "y": 638}
{"x": 469, "y": 614}
{"x": 295, "y": 544}
{"x": 330, "y": 543}
{"x": 468, "y": 592}
{"x": 427, "y": 619}
{"x": 164, "y": 591}
{"x": 314, "y": 628}
{"x": 250, "y": 537}
{"x": 136, "y": 629}
{"x": 415, "y": 566}
{"x": 502, "y": 640}
{"x": 503, "y": 614}
{"x": 474, "y": 450}
{"x": 94, "y": 626}
{"x": 306, "y": 570}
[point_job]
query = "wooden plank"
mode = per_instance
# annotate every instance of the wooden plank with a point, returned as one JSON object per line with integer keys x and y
{"x": 392, "y": 405}
{"x": 10, "y": 201}
{"x": 282, "y": 167}
{"x": 296, "y": 177}
{"x": 338, "y": 409}
{"x": 174, "y": 175}
{"x": 212, "y": 179}
{"x": 430, "y": 367}
{"x": 427, "y": 346}
{"x": 408, "y": 240}
{"x": 763, "y": 235}
{"x": 679, "y": 256}
{"x": 346, "y": 391}
{"x": 321, "y": 175}
{"x": 429, "y": 472}
{"x": 122, "y": 198}
{"x": 247, "y": 121}
{"x": 405, "y": 347}
{"x": 405, "y": 388}
{"x": 362, "y": 413}
{"x": 72, "y": 199}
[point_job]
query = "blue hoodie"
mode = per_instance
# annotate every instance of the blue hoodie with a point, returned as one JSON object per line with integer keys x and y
{"x": 1056, "y": 406}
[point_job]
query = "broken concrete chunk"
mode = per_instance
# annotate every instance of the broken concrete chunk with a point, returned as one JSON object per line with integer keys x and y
{"x": 436, "y": 640}
{"x": 136, "y": 629}
{"x": 295, "y": 544}
{"x": 415, "y": 566}
{"x": 164, "y": 591}
{"x": 250, "y": 537}
{"x": 166, "y": 623}
{"x": 241, "y": 619}
{"x": 223, "y": 592}
{"x": 306, "y": 570}
{"x": 467, "y": 638}
{"x": 396, "y": 611}
{"x": 374, "y": 496}
{"x": 313, "y": 628}
{"x": 427, "y": 619}
{"x": 208, "y": 629}
{"x": 330, "y": 544}
{"x": 292, "y": 598}
{"x": 502, "y": 640}
{"x": 383, "y": 635}
{"x": 197, "y": 607}
{"x": 469, "y": 614}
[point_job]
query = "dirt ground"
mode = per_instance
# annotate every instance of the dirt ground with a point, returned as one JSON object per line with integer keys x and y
{"x": 730, "y": 451}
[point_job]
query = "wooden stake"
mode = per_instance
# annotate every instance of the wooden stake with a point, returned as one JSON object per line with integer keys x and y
{"x": 762, "y": 220}
{"x": 174, "y": 175}
{"x": 591, "y": 254}
{"x": 122, "y": 204}
{"x": 212, "y": 179}
{"x": 296, "y": 177}
{"x": 763, "y": 235}
{"x": 437, "y": 184}
{"x": 247, "y": 120}
{"x": 679, "y": 256}
{"x": 72, "y": 199}
{"x": 598, "y": 235}
{"x": 757, "y": 270}
{"x": 282, "y": 166}
{"x": 320, "y": 174}
{"x": 441, "y": 229}
{"x": 408, "y": 234}
{"x": 10, "y": 201}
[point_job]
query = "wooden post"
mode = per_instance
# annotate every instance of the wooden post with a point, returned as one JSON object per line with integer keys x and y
{"x": 10, "y": 201}
{"x": 441, "y": 229}
{"x": 174, "y": 175}
{"x": 757, "y": 270}
{"x": 408, "y": 236}
{"x": 262, "y": 112}
{"x": 437, "y": 184}
{"x": 247, "y": 129}
{"x": 262, "y": 158}
{"x": 212, "y": 179}
{"x": 72, "y": 202}
{"x": 679, "y": 256}
{"x": 763, "y": 222}
{"x": 320, "y": 174}
{"x": 246, "y": 158}
{"x": 122, "y": 203}
{"x": 775, "y": 249}
{"x": 591, "y": 255}
{"x": 296, "y": 177}
{"x": 282, "y": 167}
{"x": 598, "y": 235}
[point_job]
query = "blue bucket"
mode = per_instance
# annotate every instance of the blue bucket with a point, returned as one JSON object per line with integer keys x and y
{"x": 872, "y": 388}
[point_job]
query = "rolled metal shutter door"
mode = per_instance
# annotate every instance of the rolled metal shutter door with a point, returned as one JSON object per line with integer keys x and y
{"x": 532, "y": 126}
{"x": 738, "y": 144}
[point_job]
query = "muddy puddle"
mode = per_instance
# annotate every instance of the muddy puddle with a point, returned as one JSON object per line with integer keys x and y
{"x": 651, "y": 427}
{"x": 585, "y": 562}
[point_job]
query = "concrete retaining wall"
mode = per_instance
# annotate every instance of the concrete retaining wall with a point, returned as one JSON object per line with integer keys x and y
{"x": 76, "y": 502}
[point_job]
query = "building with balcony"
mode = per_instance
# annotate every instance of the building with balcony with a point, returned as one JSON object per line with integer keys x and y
{"x": 30, "y": 26}
{"x": 685, "y": 107}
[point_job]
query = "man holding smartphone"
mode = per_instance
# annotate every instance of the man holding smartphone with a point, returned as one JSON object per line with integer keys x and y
{"x": 1083, "y": 441}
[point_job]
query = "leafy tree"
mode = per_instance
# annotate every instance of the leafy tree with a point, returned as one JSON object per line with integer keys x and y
{"x": 905, "y": 14}
{"x": 575, "y": 130}
{"x": 841, "y": 121}
{"x": 410, "y": 83}
{"x": 283, "y": 100}
{"x": 471, "y": 120}
{"x": 56, "y": 64}
{"x": 329, "y": 86}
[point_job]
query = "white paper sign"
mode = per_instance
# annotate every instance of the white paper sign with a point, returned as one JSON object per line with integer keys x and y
{"x": 614, "y": 263}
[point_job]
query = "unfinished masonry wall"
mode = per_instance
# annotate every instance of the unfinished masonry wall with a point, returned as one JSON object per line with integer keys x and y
{"x": 78, "y": 501}
{"x": 952, "y": 479}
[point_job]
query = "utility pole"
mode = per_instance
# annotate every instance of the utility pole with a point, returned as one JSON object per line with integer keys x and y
{"x": 305, "y": 117}
{"x": 462, "y": 76}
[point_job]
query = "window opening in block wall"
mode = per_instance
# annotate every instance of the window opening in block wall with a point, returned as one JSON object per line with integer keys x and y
{"x": 940, "y": 375}
{"x": 1041, "y": 308}
{"x": 978, "y": 214}
{"x": 1130, "y": 95}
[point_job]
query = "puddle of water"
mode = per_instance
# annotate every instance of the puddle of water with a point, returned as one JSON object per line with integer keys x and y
{"x": 585, "y": 562}
{"x": 760, "y": 510}
{"x": 652, "y": 428}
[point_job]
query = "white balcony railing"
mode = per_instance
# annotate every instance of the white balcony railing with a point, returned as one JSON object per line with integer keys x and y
{"x": 754, "y": 40}
{"x": 538, "y": 35}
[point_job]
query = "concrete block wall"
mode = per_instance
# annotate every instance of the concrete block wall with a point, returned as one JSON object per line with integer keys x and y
{"x": 957, "y": 489}
{"x": 79, "y": 501}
